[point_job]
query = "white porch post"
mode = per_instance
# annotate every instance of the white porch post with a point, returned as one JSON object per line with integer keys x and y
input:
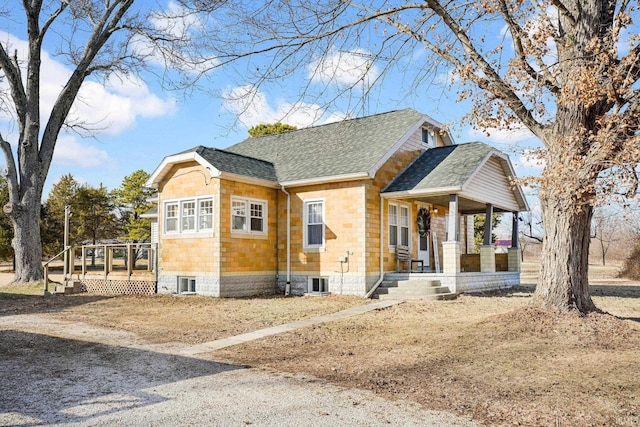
{"x": 514, "y": 250}
{"x": 487, "y": 251}
{"x": 451, "y": 248}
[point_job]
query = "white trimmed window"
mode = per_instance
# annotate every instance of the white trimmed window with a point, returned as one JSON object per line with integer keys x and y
{"x": 186, "y": 285}
{"x": 314, "y": 223}
{"x": 248, "y": 216}
{"x": 428, "y": 138}
{"x": 399, "y": 225}
{"x": 205, "y": 214}
{"x": 188, "y": 215}
{"x": 318, "y": 285}
{"x": 404, "y": 226}
{"x": 171, "y": 217}
{"x": 188, "y": 208}
{"x": 393, "y": 225}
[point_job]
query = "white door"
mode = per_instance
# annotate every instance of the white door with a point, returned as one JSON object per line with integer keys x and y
{"x": 423, "y": 245}
{"x": 423, "y": 250}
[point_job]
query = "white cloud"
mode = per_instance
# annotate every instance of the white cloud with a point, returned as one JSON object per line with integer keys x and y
{"x": 109, "y": 108}
{"x": 252, "y": 108}
{"x": 344, "y": 68}
{"x": 503, "y": 136}
{"x": 69, "y": 151}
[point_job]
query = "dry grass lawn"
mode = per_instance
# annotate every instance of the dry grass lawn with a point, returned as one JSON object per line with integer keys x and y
{"x": 490, "y": 356}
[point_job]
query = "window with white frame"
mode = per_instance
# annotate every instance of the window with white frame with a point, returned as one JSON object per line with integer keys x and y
{"x": 398, "y": 225}
{"x": 318, "y": 285}
{"x": 171, "y": 217}
{"x": 404, "y": 226}
{"x": 248, "y": 216}
{"x": 428, "y": 138}
{"x": 186, "y": 285}
{"x": 188, "y": 215}
{"x": 393, "y": 225}
{"x": 314, "y": 223}
{"x": 205, "y": 214}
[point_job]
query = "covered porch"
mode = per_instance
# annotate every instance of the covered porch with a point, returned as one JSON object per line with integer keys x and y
{"x": 462, "y": 181}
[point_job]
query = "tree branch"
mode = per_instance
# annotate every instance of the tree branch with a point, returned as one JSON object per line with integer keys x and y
{"x": 12, "y": 173}
{"x": 492, "y": 81}
{"x": 102, "y": 31}
{"x": 517, "y": 33}
{"x": 12, "y": 72}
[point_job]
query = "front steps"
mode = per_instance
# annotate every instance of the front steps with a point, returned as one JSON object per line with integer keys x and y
{"x": 413, "y": 289}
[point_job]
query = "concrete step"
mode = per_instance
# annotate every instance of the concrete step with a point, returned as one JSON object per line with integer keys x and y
{"x": 434, "y": 297}
{"x": 410, "y": 284}
{"x": 401, "y": 293}
{"x": 425, "y": 289}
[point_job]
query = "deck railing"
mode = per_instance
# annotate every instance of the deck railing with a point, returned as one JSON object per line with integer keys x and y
{"x": 119, "y": 258}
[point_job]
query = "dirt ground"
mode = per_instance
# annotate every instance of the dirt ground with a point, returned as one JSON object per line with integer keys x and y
{"x": 488, "y": 356}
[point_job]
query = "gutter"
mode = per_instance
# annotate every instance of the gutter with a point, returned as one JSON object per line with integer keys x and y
{"x": 287, "y": 288}
{"x": 381, "y": 278}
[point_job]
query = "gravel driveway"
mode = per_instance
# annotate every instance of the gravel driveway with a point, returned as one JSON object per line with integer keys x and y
{"x": 61, "y": 373}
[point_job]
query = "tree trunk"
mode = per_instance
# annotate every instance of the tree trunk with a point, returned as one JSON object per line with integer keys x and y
{"x": 27, "y": 244}
{"x": 564, "y": 281}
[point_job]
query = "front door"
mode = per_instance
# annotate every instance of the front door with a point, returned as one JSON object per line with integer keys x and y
{"x": 423, "y": 239}
{"x": 423, "y": 250}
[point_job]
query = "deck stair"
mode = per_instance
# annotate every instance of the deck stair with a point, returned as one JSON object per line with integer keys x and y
{"x": 413, "y": 289}
{"x": 69, "y": 287}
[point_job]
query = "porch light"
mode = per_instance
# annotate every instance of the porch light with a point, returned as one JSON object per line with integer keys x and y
{"x": 435, "y": 209}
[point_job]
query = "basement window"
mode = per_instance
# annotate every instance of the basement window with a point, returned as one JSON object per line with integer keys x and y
{"x": 186, "y": 285}
{"x": 318, "y": 285}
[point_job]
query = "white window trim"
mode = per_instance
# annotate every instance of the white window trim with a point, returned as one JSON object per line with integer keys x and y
{"x": 189, "y": 279}
{"x": 310, "y": 285}
{"x": 179, "y": 202}
{"x": 165, "y": 218}
{"x": 431, "y": 138}
{"x": 399, "y": 224}
{"x": 305, "y": 217}
{"x": 247, "y": 215}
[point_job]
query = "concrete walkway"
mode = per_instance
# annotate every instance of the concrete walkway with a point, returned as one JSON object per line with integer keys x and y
{"x": 274, "y": 330}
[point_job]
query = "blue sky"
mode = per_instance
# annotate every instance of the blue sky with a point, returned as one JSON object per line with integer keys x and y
{"x": 137, "y": 123}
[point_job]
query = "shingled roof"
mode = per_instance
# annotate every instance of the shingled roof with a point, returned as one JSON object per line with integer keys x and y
{"x": 343, "y": 148}
{"x": 238, "y": 164}
{"x": 441, "y": 167}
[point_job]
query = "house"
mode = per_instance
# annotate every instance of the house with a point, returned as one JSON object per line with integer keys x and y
{"x": 323, "y": 209}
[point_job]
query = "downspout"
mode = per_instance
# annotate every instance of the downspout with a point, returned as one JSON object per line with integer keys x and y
{"x": 287, "y": 288}
{"x": 381, "y": 278}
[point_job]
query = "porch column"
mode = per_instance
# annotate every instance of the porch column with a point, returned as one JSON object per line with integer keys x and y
{"x": 514, "y": 250}
{"x": 451, "y": 248}
{"x": 487, "y": 251}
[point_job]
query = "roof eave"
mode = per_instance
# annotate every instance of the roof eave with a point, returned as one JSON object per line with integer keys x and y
{"x": 326, "y": 179}
{"x": 439, "y": 191}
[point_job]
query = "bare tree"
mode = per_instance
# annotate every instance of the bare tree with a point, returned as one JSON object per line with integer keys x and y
{"x": 605, "y": 227}
{"x": 566, "y": 70}
{"x": 97, "y": 38}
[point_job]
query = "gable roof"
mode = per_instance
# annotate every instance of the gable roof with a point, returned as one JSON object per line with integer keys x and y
{"x": 225, "y": 161}
{"x": 441, "y": 167}
{"x": 219, "y": 163}
{"x": 346, "y": 149}
{"x": 453, "y": 169}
